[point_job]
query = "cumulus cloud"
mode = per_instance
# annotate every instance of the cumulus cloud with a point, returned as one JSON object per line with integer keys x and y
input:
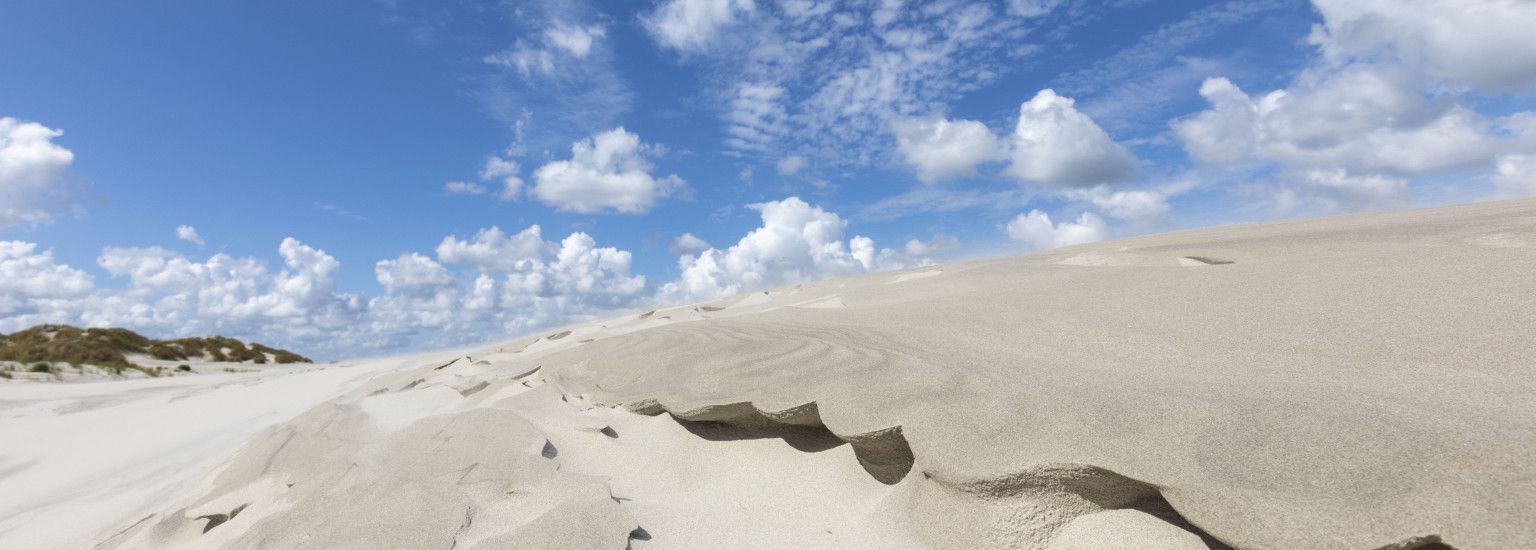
{"x": 1363, "y": 119}
{"x": 486, "y": 285}
{"x": 1036, "y": 230}
{"x": 939, "y": 148}
{"x": 418, "y": 293}
{"x": 688, "y": 25}
{"x": 189, "y": 234}
{"x": 1054, "y": 144}
{"x": 1390, "y": 98}
{"x": 27, "y": 274}
{"x": 513, "y": 283}
{"x": 1138, "y": 208}
{"x": 606, "y": 172}
{"x": 796, "y": 242}
{"x": 543, "y": 282}
{"x": 1339, "y": 190}
{"x": 1479, "y": 44}
{"x": 494, "y": 250}
{"x": 171, "y": 294}
{"x": 498, "y": 169}
{"x": 32, "y": 172}
{"x": 411, "y": 273}
{"x": 687, "y": 244}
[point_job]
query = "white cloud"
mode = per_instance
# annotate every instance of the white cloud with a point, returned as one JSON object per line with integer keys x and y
{"x": 1054, "y": 144}
{"x": 580, "y": 277}
{"x": 687, "y": 244}
{"x": 790, "y": 165}
{"x": 756, "y": 117}
{"x": 797, "y": 242}
{"x": 1147, "y": 81}
{"x": 505, "y": 171}
{"x": 32, "y": 172}
{"x": 574, "y": 40}
{"x": 818, "y": 78}
{"x": 939, "y": 245}
{"x": 463, "y": 188}
{"x": 306, "y": 283}
{"x": 493, "y": 250}
{"x": 418, "y": 293}
{"x": 688, "y": 25}
{"x": 543, "y": 282}
{"x": 411, "y": 273}
{"x": 170, "y": 294}
{"x": 1138, "y": 208}
{"x": 606, "y": 172}
{"x": 940, "y": 149}
{"x": 1036, "y": 230}
{"x": 1032, "y": 8}
{"x": 559, "y": 41}
{"x": 523, "y": 282}
{"x": 189, "y": 234}
{"x": 1339, "y": 190}
{"x": 1515, "y": 176}
{"x": 27, "y": 275}
{"x": 1363, "y": 119}
{"x": 1224, "y": 134}
{"x": 1480, "y": 44}
{"x": 1392, "y": 97}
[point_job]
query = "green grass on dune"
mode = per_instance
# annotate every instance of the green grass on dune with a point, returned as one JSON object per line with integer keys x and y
{"x": 107, "y": 347}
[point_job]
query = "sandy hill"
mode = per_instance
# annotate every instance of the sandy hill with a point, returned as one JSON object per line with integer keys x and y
{"x": 1345, "y": 382}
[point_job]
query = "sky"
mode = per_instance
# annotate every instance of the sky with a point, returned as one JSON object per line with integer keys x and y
{"x": 350, "y": 178}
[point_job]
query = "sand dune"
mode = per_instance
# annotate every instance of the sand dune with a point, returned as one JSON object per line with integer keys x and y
{"x": 1345, "y": 382}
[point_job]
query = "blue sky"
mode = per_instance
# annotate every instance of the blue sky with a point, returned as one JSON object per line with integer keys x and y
{"x": 381, "y": 137}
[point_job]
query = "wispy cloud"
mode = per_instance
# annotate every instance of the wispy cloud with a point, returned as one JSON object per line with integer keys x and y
{"x": 339, "y": 211}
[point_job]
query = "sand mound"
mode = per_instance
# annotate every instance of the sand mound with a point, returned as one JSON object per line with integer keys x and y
{"x": 1346, "y": 382}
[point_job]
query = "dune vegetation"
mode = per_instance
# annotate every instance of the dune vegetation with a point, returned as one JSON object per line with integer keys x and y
{"x": 111, "y": 347}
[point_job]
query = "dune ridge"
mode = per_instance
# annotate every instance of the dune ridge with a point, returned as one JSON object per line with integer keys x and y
{"x": 1347, "y": 382}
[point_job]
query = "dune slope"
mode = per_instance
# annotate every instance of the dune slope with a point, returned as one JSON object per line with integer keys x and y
{"x": 1346, "y": 382}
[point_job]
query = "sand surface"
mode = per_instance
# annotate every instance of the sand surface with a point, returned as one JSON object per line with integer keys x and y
{"x": 1346, "y": 382}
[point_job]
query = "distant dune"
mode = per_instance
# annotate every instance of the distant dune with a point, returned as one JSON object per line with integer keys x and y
{"x": 63, "y": 352}
{"x": 1349, "y": 382}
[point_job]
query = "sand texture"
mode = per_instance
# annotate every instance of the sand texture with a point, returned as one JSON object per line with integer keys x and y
{"x": 1350, "y": 382}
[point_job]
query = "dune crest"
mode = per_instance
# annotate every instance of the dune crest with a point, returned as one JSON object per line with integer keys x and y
{"x": 1345, "y": 382}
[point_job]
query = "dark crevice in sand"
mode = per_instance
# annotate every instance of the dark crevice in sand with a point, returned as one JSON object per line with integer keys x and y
{"x": 1209, "y": 261}
{"x": 466, "y": 392}
{"x": 638, "y": 534}
{"x": 1158, "y": 507}
{"x": 1425, "y": 542}
{"x": 1103, "y": 488}
{"x": 884, "y": 454}
{"x": 215, "y": 520}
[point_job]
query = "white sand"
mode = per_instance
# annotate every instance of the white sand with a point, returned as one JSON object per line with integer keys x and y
{"x": 1346, "y": 382}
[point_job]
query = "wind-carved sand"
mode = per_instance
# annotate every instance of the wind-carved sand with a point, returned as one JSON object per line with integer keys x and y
{"x": 1345, "y": 382}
